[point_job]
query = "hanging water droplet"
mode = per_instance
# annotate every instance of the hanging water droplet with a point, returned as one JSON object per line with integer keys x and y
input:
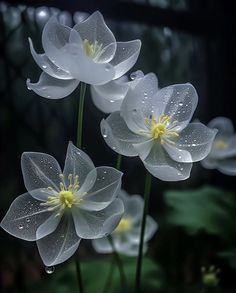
{"x": 133, "y": 75}
{"x": 49, "y": 270}
{"x": 20, "y": 226}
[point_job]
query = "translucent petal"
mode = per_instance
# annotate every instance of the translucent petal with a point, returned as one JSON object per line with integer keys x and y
{"x": 133, "y": 207}
{"x": 209, "y": 163}
{"x": 160, "y": 165}
{"x": 144, "y": 148}
{"x": 95, "y": 29}
{"x": 77, "y": 163}
{"x": 41, "y": 194}
{"x": 54, "y": 37}
{"x": 97, "y": 224}
{"x": 125, "y": 57}
{"x": 59, "y": 245}
{"x": 228, "y": 166}
{"x": 228, "y": 151}
{"x": 40, "y": 171}
{"x": 140, "y": 103}
{"x": 102, "y": 245}
{"x": 223, "y": 124}
{"x": 196, "y": 139}
{"x": 52, "y": 88}
{"x": 118, "y": 136}
{"x": 24, "y": 217}
{"x": 104, "y": 190}
{"x": 181, "y": 104}
{"x": 47, "y": 66}
{"x": 108, "y": 97}
{"x": 48, "y": 226}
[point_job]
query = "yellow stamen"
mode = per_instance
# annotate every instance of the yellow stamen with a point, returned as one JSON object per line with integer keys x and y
{"x": 219, "y": 144}
{"x": 93, "y": 50}
{"x": 124, "y": 226}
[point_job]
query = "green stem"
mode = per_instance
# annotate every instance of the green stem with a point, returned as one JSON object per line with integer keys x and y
{"x": 147, "y": 192}
{"x": 80, "y": 114}
{"x": 118, "y": 161}
{"x": 119, "y": 264}
{"x": 109, "y": 277}
{"x": 79, "y": 274}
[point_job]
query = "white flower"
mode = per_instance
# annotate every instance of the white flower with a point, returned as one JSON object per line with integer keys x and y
{"x": 127, "y": 234}
{"x": 88, "y": 52}
{"x": 60, "y": 208}
{"x": 109, "y": 97}
{"x": 223, "y": 153}
{"x": 154, "y": 125}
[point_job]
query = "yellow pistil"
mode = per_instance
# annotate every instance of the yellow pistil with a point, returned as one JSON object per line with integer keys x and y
{"x": 93, "y": 50}
{"x": 66, "y": 198}
{"x": 160, "y": 129}
{"x": 219, "y": 144}
{"x": 124, "y": 225}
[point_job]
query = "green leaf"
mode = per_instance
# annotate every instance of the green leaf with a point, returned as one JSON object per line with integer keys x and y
{"x": 207, "y": 208}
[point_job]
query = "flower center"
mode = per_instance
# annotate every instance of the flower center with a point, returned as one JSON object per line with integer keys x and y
{"x": 219, "y": 144}
{"x": 93, "y": 50}
{"x": 124, "y": 225}
{"x": 66, "y": 198}
{"x": 160, "y": 130}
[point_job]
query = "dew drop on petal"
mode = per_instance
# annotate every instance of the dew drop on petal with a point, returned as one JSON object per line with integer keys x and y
{"x": 20, "y": 226}
{"x": 49, "y": 270}
{"x": 28, "y": 220}
{"x": 44, "y": 66}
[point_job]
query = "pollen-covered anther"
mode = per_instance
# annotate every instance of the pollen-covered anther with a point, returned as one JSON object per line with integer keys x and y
{"x": 93, "y": 50}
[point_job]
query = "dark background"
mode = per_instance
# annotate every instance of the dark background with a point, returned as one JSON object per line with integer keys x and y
{"x": 182, "y": 41}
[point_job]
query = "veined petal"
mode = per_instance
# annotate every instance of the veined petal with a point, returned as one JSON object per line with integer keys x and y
{"x": 48, "y": 66}
{"x": 24, "y": 217}
{"x": 181, "y": 104}
{"x": 160, "y": 165}
{"x": 54, "y": 37}
{"x": 125, "y": 57}
{"x": 40, "y": 171}
{"x": 196, "y": 139}
{"x": 144, "y": 148}
{"x": 97, "y": 224}
{"x": 103, "y": 104}
{"x": 118, "y": 136}
{"x": 48, "y": 226}
{"x": 140, "y": 102}
{"x": 52, "y": 88}
{"x": 77, "y": 163}
{"x": 224, "y": 125}
{"x": 60, "y": 245}
{"x": 104, "y": 189}
{"x": 94, "y": 29}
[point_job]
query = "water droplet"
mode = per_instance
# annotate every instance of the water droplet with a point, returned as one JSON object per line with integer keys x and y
{"x": 180, "y": 104}
{"x": 114, "y": 148}
{"x": 49, "y": 270}
{"x": 104, "y": 135}
{"x": 20, "y": 226}
{"x": 28, "y": 220}
{"x": 44, "y": 66}
{"x": 105, "y": 172}
{"x": 112, "y": 101}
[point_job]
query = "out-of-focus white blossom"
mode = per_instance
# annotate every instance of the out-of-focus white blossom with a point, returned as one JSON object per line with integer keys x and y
{"x": 127, "y": 234}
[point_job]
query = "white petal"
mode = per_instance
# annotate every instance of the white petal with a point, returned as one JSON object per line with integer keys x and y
{"x": 104, "y": 190}
{"x": 95, "y": 29}
{"x": 102, "y": 245}
{"x": 125, "y": 57}
{"x": 118, "y": 136}
{"x": 196, "y": 139}
{"x": 229, "y": 151}
{"x": 41, "y": 194}
{"x": 223, "y": 124}
{"x": 24, "y": 217}
{"x": 40, "y": 171}
{"x": 54, "y": 37}
{"x": 59, "y": 245}
{"x": 47, "y": 66}
{"x": 134, "y": 208}
{"x": 160, "y": 165}
{"x": 140, "y": 103}
{"x": 52, "y": 88}
{"x": 228, "y": 167}
{"x": 181, "y": 105}
{"x": 144, "y": 148}
{"x": 97, "y": 224}
{"x": 77, "y": 163}
{"x": 209, "y": 163}
{"x": 103, "y": 104}
{"x": 48, "y": 226}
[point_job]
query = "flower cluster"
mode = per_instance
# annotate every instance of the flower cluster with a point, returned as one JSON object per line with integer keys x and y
{"x": 126, "y": 236}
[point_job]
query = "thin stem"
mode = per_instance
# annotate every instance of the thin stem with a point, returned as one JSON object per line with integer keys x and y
{"x": 147, "y": 192}
{"x": 109, "y": 277}
{"x": 80, "y": 114}
{"x": 119, "y": 264}
{"x": 79, "y": 274}
{"x": 118, "y": 161}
